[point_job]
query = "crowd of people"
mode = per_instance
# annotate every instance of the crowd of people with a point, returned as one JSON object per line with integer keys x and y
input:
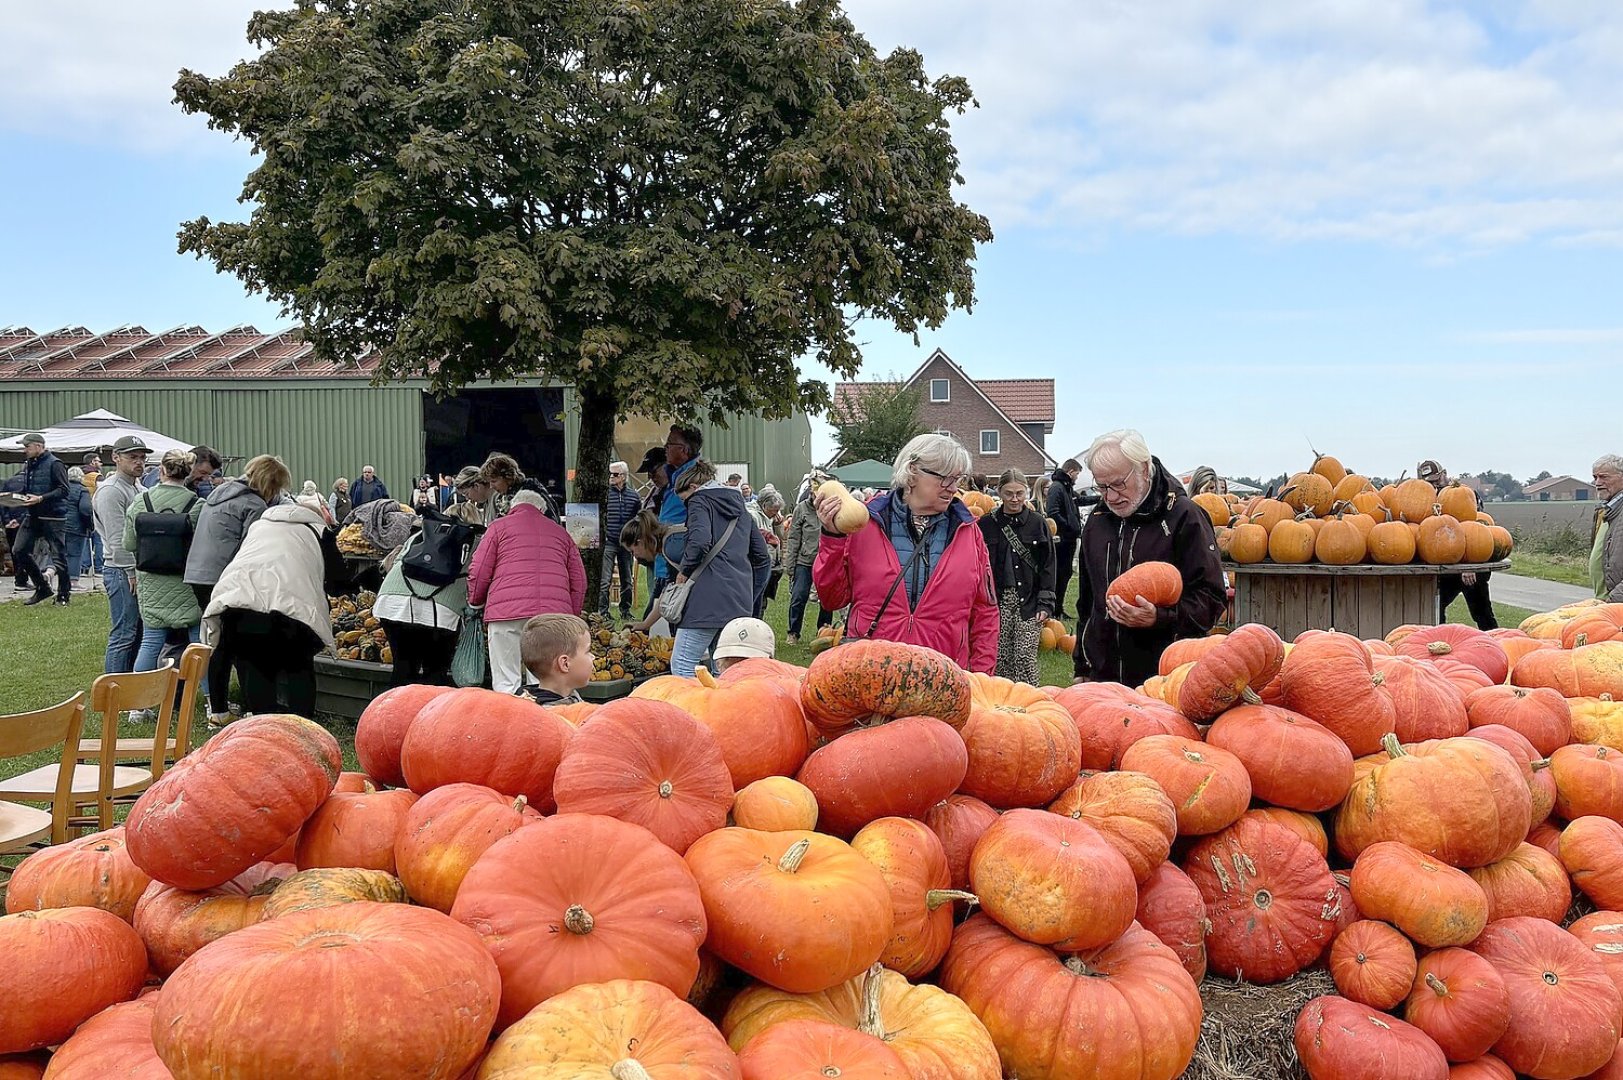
{"x": 186, "y": 553}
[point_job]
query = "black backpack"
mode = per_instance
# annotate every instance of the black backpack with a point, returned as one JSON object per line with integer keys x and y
{"x": 163, "y": 537}
{"x": 440, "y": 552}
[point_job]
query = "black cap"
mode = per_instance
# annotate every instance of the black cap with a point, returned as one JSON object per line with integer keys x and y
{"x": 652, "y": 460}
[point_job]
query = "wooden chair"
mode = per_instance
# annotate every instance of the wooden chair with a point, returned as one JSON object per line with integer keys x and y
{"x": 119, "y": 692}
{"x": 28, "y": 733}
{"x": 102, "y": 783}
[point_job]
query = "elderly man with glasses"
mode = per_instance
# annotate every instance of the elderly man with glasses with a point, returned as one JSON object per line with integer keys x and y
{"x": 1150, "y": 519}
{"x": 624, "y": 503}
{"x": 1606, "y": 548}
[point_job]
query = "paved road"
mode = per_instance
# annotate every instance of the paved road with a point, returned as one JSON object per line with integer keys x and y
{"x": 1534, "y": 594}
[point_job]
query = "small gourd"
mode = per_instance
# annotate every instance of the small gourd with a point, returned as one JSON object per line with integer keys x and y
{"x": 853, "y": 515}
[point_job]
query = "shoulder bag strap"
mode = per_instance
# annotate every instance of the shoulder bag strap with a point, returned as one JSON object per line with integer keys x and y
{"x": 146, "y": 497}
{"x": 1017, "y": 545}
{"x": 918, "y": 549}
{"x": 715, "y": 548}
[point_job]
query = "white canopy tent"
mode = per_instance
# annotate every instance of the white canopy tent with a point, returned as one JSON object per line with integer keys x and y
{"x": 94, "y": 431}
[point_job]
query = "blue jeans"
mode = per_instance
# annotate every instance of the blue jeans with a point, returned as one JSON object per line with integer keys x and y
{"x": 799, "y": 594}
{"x": 690, "y": 647}
{"x": 154, "y": 638}
{"x": 100, "y": 553}
{"x": 126, "y": 615}
{"x": 77, "y": 550}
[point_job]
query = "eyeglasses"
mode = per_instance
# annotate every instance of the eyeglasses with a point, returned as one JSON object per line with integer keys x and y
{"x": 950, "y": 483}
{"x": 1119, "y": 487}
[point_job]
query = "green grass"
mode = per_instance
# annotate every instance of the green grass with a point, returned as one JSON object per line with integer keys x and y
{"x": 1568, "y": 569}
{"x": 1505, "y": 613}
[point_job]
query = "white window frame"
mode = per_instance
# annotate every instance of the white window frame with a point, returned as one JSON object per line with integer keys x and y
{"x": 997, "y": 445}
{"x": 946, "y": 389}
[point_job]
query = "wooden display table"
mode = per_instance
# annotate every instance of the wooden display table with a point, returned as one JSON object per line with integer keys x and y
{"x": 1365, "y": 601}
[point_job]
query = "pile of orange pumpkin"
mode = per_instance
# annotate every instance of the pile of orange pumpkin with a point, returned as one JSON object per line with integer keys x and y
{"x": 1332, "y": 516}
{"x": 878, "y": 867}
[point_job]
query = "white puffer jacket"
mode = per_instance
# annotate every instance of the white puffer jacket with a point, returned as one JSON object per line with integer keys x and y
{"x": 279, "y": 568}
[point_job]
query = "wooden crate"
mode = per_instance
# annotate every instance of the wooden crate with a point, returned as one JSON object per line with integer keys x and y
{"x": 1365, "y": 601}
{"x": 345, "y": 687}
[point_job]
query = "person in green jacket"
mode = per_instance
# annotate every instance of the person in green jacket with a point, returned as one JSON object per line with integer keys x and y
{"x": 169, "y": 610}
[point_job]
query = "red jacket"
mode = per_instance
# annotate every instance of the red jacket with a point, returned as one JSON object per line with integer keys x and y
{"x": 526, "y": 565}
{"x": 957, "y": 614}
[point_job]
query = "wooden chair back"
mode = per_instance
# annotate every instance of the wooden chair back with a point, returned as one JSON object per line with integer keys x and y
{"x": 123, "y": 691}
{"x": 31, "y": 732}
{"x": 192, "y": 673}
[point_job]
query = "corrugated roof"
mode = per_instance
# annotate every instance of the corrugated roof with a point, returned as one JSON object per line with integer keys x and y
{"x": 184, "y": 352}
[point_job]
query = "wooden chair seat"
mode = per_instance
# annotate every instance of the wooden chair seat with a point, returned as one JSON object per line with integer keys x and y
{"x": 123, "y": 692}
{"x": 127, "y": 750}
{"x": 21, "y": 826}
{"x": 40, "y": 784}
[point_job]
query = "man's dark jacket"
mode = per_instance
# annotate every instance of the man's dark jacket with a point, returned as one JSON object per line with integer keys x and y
{"x": 47, "y": 477}
{"x": 1166, "y": 527}
{"x": 1062, "y": 505}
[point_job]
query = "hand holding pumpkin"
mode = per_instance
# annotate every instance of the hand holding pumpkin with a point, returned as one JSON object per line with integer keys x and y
{"x": 828, "y": 506}
{"x": 1138, "y": 616}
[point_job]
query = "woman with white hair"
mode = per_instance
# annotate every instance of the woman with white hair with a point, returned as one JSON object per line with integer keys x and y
{"x": 917, "y": 572}
{"x": 1150, "y": 519}
{"x": 526, "y": 565}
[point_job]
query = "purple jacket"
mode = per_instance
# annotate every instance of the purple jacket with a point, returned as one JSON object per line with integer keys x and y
{"x": 526, "y": 565}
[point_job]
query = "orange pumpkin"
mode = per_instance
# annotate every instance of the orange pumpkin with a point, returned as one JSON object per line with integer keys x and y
{"x": 1303, "y": 824}
{"x": 1126, "y": 1012}
{"x": 1269, "y": 513}
{"x": 382, "y": 727}
{"x": 1330, "y": 468}
{"x": 116, "y": 1042}
{"x": 1053, "y": 880}
{"x": 1335, "y": 1037}
{"x": 1587, "y": 671}
{"x": 1109, "y": 718}
{"x": 1602, "y": 933}
{"x": 1309, "y": 493}
{"x": 1171, "y": 908}
{"x": 1460, "y": 1000}
{"x": 897, "y": 769}
{"x": 444, "y": 834}
{"x": 1528, "y": 881}
{"x": 1535, "y": 769}
{"x": 813, "y": 1049}
{"x": 1603, "y": 623}
{"x": 1463, "y": 801}
{"x": 1160, "y": 583}
{"x": 1349, "y": 485}
{"x": 1428, "y": 900}
{"x": 175, "y": 923}
{"x": 1592, "y": 852}
{"x": 648, "y": 763}
{"x": 326, "y": 886}
{"x": 1246, "y": 660}
{"x": 1413, "y": 501}
{"x": 757, "y": 888}
{"x": 758, "y": 722}
{"x": 959, "y": 821}
{"x": 1208, "y": 786}
{"x": 1588, "y": 780}
{"x": 1372, "y": 964}
{"x": 1129, "y": 810}
{"x": 623, "y": 1028}
{"x": 1479, "y": 542}
{"x": 1024, "y": 748}
{"x": 1458, "y": 501}
{"x": 1330, "y": 678}
{"x": 774, "y": 804}
{"x": 1185, "y": 650}
{"x": 476, "y": 736}
{"x": 1269, "y": 898}
{"x": 1292, "y": 761}
{"x": 1248, "y": 544}
{"x": 553, "y": 919}
{"x": 1340, "y": 543}
{"x": 1597, "y": 720}
{"x": 863, "y": 680}
{"x": 1216, "y": 508}
{"x": 1292, "y": 542}
{"x": 63, "y": 966}
{"x": 1441, "y": 541}
{"x": 355, "y": 829}
{"x": 933, "y": 1032}
{"x": 1391, "y": 543}
{"x": 914, "y": 865}
{"x": 1466, "y": 644}
{"x": 1425, "y": 704}
{"x": 232, "y": 801}
{"x": 92, "y": 871}
{"x": 1542, "y": 716}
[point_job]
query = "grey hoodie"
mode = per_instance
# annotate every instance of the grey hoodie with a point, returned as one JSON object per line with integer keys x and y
{"x": 230, "y": 509}
{"x": 736, "y": 577}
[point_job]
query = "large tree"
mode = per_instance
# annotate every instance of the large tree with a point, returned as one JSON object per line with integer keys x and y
{"x": 665, "y": 203}
{"x": 877, "y": 420}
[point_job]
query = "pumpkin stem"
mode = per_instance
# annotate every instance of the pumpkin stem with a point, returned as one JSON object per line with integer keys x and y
{"x": 520, "y": 803}
{"x": 1439, "y": 648}
{"x": 1437, "y": 985}
{"x": 367, "y": 788}
{"x": 628, "y": 1069}
{"x": 577, "y": 920}
{"x": 1079, "y": 967}
{"x": 666, "y": 790}
{"x": 1580, "y": 641}
{"x": 706, "y": 680}
{"x": 1250, "y": 696}
{"x": 1541, "y": 763}
{"x": 936, "y": 897}
{"x": 869, "y": 1022}
{"x": 794, "y": 856}
{"x": 1393, "y": 748}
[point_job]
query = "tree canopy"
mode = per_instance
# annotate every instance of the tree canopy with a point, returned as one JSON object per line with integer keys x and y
{"x": 666, "y": 203}
{"x": 877, "y": 420}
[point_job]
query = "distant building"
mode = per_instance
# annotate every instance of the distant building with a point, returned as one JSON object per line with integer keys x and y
{"x": 1560, "y": 489}
{"x": 1004, "y": 423}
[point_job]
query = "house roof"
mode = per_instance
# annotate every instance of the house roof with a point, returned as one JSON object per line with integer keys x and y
{"x": 183, "y": 352}
{"x": 1554, "y": 481}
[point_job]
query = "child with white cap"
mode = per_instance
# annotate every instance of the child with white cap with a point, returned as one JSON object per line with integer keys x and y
{"x": 743, "y": 639}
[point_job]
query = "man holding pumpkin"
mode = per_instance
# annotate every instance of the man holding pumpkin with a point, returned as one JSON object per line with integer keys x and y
{"x": 1150, "y": 520}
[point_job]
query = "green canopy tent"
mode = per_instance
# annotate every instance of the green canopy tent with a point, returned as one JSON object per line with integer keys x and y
{"x": 866, "y": 473}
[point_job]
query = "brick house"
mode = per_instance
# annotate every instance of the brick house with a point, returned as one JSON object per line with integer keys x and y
{"x": 1004, "y": 423}
{"x": 1560, "y": 489}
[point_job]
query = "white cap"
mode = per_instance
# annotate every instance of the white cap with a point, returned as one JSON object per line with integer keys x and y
{"x": 746, "y": 638}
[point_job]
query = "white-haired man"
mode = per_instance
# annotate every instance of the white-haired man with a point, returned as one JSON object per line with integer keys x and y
{"x": 1606, "y": 550}
{"x": 623, "y": 504}
{"x": 1150, "y": 519}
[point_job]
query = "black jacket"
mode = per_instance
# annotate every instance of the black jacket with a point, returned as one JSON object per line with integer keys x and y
{"x": 46, "y": 476}
{"x": 80, "y": 518}
{"x": 1062, "y": 505}
{"x": 1025, "y": 563}
{"x": 1168, "y": 527}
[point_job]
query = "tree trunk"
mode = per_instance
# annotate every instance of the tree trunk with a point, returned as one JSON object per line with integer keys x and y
{"x": 593, "y": 453}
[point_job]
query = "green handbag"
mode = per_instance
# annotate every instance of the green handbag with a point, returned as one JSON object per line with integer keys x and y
{"x": 469, "y": 662}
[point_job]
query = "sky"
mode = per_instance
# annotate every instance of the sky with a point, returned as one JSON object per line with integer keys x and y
{"x": 1387, "y": 229}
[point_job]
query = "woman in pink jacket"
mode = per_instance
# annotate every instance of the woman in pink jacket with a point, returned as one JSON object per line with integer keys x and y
{"x": 526, "y": 565}
{"x": 918, "y": 572}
